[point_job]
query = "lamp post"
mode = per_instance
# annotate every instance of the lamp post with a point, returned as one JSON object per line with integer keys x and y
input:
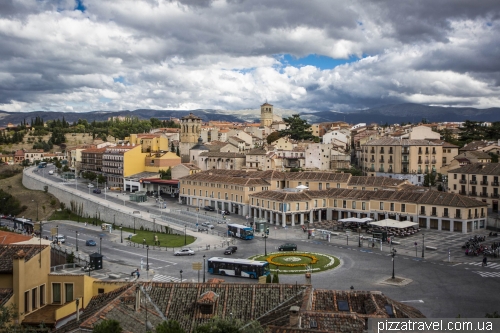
{"x": 114, "y": 220}
{"x": 393, "y": 254}
{"x": 423, "y": 244}
{"x": 100, "y": 245}
{"x": 185, "y": 225}
{"x": 181, "y": 275}
{"x": 204, "y": 268}
{"x": 121, "y": 233}
{"x": 416, "y": 249}
{"x": 359, "y": 236}
{"x": 76, "y": 232}
{"x": 57, "y": 230}
{"x": 264, "y": 235}
{"x": 147, "y": 258}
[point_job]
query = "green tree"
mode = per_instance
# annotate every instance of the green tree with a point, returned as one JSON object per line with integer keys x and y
{"x": 169, "y": 326}
{"x": 276, "y": 278}
{"x": 297, "y": 128}
{"x": 273, "y": 137}
{"x": 108, "y": 326}
{"x": 166, "y": 174}
{"x": 101, "y": 179}
{"x": 429, "y": 179}
{"x": 268, "y": 278}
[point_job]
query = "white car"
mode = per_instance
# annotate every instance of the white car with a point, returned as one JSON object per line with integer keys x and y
{"x": 51, "y": 172}
{"x": 90, "y": 185}
{"x": 184, "y": 252}
{"x": 208, "y": 225}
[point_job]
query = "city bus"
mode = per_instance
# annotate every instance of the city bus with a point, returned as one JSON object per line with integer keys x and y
{"x": 238, "y": 267}
{"x": 42, "y": 165}
{"x": 240, "y": 231}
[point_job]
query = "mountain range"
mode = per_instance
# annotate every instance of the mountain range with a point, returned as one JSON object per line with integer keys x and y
{"x": 396, "y": 113}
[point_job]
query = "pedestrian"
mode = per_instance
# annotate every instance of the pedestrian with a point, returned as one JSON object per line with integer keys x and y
{"x": 485, "y": 261}
{"x": 156, "y": 240}
{"x": 85, "y": 223}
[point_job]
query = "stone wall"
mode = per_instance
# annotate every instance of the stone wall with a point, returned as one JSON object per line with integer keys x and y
{"x": 91, "y": 204}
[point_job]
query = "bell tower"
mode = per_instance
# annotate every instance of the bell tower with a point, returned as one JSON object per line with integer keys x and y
{"x": 266, "y": 114}
{"x": 190, "y": 132}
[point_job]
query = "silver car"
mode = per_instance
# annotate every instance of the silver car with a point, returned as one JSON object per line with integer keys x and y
{"x": 184, "y": 252}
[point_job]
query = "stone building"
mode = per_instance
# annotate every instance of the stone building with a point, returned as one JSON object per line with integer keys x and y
{"x": 190, "y": 132}
{"x": 266, "y": 115}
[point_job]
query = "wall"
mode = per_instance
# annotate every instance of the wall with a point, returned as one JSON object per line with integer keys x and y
{"x": 90, "y": 204}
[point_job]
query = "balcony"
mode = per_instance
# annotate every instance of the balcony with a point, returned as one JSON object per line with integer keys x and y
{"x": 420, "y": 152}
{"x": 495, "y": 184}
{"x": 458, "y": 216}
{"x": 446, "y": 215}
{"x": 404, "y": 171}
{"x": 381, "y": 170}
{"x": 405, "y": 151}
{"x": 426, "y": 162}
{"x": 420, "y": 162}
{"x": 433, "y": 152}
{"x": 372, "y": 151}
{"x": 494, "y": 195}
{"x": 463, "y": 181}
{"x": 390, "y": 151}
{"x": 404, "y": 162}
{"x": 371, "y": 169}
{"x": 482, "y": 215}
{"x": 483, "y": 194}
{"x": 381, "y": 151}
{"x": 381, "y": 160}
{"x": 433, "y": 162}
{"x": 462, "y": 192}
{"x": 372, "y": 160}
{"x": 434, "y": 214}
{"x": 473, "y": 182}
{"x": 390, "y": 161}
{"x": 484, "y": 182}
{"x": 473, "y": 194}
{"x": 390, "y": 171}
{"x": 469, "y": 217}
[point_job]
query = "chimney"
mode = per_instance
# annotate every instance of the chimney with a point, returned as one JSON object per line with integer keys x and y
{"x": 137, "y": 298}
{"x": 294, "y": 316}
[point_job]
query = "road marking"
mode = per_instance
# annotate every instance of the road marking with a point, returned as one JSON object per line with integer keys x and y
{"x": 487, "y": 274}
{"x": 457, "y": 264}
{"x": 413, "y": 301}
{"x": 141, "y": 255}
{"x": 490, "y": 265}
{"x": 165, "y": 278}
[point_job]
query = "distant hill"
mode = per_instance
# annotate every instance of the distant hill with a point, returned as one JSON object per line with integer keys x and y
{"x": 396, "y": 113}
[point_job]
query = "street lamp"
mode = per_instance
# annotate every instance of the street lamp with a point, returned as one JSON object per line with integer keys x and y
{"x": 204, "y": 268}
{"x": 100, "y": 245}
{"x": 423, "y": 244}
{"x": 147, "y": 258}
{"x": 264, "y": 235}
{"x": 181, "y": 275}
{"x": 359, "y": 236}
{"x": 76, "y": 231}
{"x": 393, "y": 254}
{"x": 121, "y": 233}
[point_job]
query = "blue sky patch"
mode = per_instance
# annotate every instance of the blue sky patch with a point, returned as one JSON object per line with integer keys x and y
{"x": 104, "y": 99}
{"x": 319, "y": 61}
{"x": 79, "y": 6}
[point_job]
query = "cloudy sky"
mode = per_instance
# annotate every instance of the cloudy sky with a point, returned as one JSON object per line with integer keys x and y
{"x": 316, "y": 55}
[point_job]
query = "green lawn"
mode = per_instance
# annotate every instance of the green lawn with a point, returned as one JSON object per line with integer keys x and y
{"x": 325, "y": 262}
{"x": 168, "y": 240}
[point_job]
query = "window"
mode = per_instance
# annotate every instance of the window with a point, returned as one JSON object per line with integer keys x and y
{"x": 315, "y": 203}
{"x": 334, "y": 202}
{"x": 324, "y": 202}
{"x": 34, "y": 292}
{"x": 392, "y": 206}
{"x": 297, "y": 206}
{"x": 363, "y": 205}
{"x": 307, "y": 205}
{"x": 354, "y": 205}
{"x": 56, "y": 293}
{"x": 381, "y": 206}
{"x": 100, "y": 290}
{"x": 403, "y": 208}
{"x": 320, "y": 186}
{"x": 26, "y": 301}
{"x": 327, "y": 185}
{"x": 68, "y": 289}
{"x": 338, "y": 185}
{"x": 42, "y": 295}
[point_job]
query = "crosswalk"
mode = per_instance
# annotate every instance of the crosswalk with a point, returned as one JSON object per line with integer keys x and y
{"x": 487, "y": 274}
{"x": 490, "y": 265}
{"x": 165, "y": 278}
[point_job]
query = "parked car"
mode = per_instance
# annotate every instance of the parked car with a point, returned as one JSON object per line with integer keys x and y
{"x": 208, "y": 225}
{"x": 200, "y": 229}
{"x": 221, "y": 222}
{"x": 90, "y": 242}
{"x": 184, "y": 252}
{"x": 90, "y": 185}
{"x": 51, "y": 172}
{"x": 59, "y": 239}
{"x": 97, "y": 191}
{"x": 287, "y": 247}
{"x": 230, "y": 250}
{"x": 209, "y": 208}
{"x": 225, "y": 212}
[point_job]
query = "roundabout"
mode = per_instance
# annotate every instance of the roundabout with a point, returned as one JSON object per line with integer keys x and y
{"x": 298, "y": 262}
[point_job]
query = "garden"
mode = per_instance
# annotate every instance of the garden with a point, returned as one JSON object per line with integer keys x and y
{"x": 294, "y": 262}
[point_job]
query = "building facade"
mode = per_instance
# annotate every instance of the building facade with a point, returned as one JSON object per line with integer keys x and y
{"x": 190, "y": 132}
{"x": 266, "y": 115}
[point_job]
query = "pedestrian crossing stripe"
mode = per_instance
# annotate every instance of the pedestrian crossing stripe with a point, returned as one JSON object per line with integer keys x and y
{"x": 488, "y": 274}
{"x": 489, "y": 265}
{"x": 165, "y": 278}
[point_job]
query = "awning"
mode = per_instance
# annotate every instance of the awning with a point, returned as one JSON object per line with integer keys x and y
{"x": 394, "y": 224}
{"x": 356, "y": 220}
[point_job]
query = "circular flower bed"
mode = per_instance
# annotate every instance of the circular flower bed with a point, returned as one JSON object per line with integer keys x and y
{"x": 298, "y": 262}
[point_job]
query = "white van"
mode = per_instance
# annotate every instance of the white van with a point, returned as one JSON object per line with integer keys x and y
{"x": 51, "y": 172}
{"x": 59, "y": 239}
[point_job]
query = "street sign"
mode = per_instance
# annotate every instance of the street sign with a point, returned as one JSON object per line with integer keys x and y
{"x": 53, "y": 231}
{"x": 262, "y": 279}
{"x": 197, "y": 266}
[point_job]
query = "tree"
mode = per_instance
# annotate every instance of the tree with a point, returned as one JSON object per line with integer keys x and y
{"x": 429, "y": 178}
{"x": 297, "y": 128}
{"x": 169, "y": 326}
{"x": 268, "y": 278}
{"x": 273, "y": 137}
{"x": 276, "y": 278}
{"x": 108, "y": 326}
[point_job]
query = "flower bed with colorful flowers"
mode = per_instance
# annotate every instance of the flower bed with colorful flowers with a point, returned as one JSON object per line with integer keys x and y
{"x": 298, "y": 262}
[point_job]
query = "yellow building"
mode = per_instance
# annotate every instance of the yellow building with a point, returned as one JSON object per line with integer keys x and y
{"x": 150, "y": 143}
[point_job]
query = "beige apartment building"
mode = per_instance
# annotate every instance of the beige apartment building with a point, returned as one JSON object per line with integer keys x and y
{"x": 479, "y": 181}
{"x": 401, "y": 158}
{"x": 278, "y": 198}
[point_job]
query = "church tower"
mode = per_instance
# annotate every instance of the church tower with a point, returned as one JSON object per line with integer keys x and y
{"x": 190, "y": 132}
{"x": 266, "y": 114}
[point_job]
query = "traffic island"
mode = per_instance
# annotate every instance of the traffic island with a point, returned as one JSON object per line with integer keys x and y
{"x": 292, "y": 262}
{"x": 397, "y": 281}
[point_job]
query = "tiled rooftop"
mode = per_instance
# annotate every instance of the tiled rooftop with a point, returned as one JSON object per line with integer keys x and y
{"x": 402, "y": 142}
{"x": 374, "y": 181}
{"x": 479, "y": 169}
{"x": 5, "y": 295}
{"x": 11, "y": 237}
{"x": 220, "y": 154}
{"x": 7, "y": 253}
